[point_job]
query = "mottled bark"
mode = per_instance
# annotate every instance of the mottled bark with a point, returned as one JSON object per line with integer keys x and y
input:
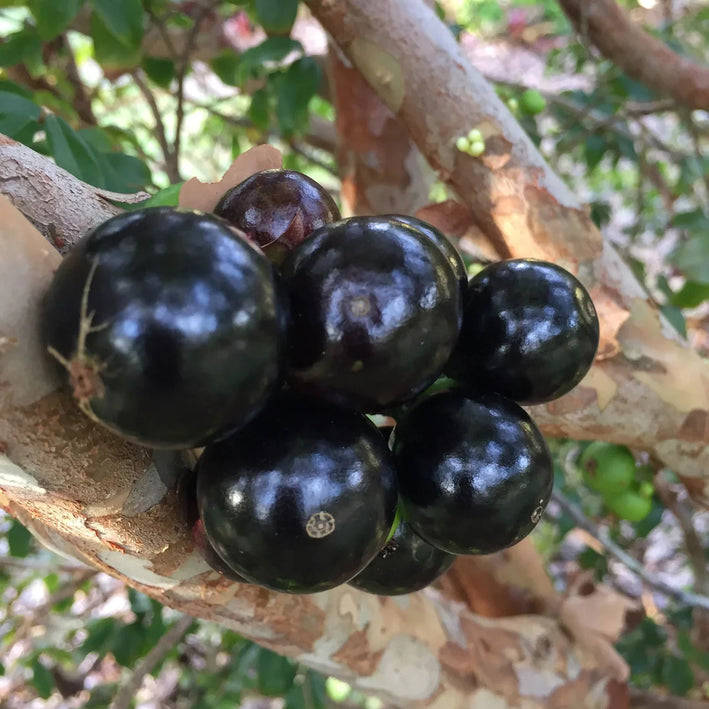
{"x": 647, "y": 388}
{"x": 89, "y": 495}
{"x": 639, "y": 54}
{"x": 381, "y": 169}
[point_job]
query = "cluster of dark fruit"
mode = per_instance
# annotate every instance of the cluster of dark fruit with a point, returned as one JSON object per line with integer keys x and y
{"x": 267, "y": 331}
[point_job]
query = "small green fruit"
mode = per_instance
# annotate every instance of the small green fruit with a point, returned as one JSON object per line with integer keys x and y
{"x": 476, "y": 149}
{"x": 475, "y": 136}
{"x": 513, "y": 104}
{"x": 607, "y": 468}
{"x": 630, "y": 505}
{"x": 532, "y": 102}
{"x": 462, "y": 144}
{"x": 646, "y": 489}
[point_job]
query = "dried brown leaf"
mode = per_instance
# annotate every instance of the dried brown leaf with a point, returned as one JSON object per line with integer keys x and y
{"x": 196, "y": 194}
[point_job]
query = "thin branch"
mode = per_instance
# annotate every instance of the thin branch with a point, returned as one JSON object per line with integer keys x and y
{"x": 182, "y": 65}
{"x": 156, "y": 655}
{"x": 602, "y": 536}
{"x": 693, "y": 544}
{"x": 82, "y": 101}
{"x": 642, "y": 56}
{"x": 160, "y": 132}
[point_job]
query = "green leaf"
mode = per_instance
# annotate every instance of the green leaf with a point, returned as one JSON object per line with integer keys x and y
{"x": 124, "y": 19}
{"x": 110, "y": 51}
{"x": 294, "y": 88}
{"x": 42, "y": 679}
{"x": 690, "y": 295}
{"x": 71, "y": 152}
{"x": 16, "y": 113}
{"x": 275, "y": 673}
{"x": 695, "y": 221}
{"x": 23, "y": 46}
{"x": 124, "y": 173}
{"x": 161, "y": 71}
{"x": 692, "y": 258}
{"x": 2, "y": 670}
{"x": 98, "y": 639}
{"x": 271, "y": 51}
{"x": 165, "y": 198}
{"x": 260, "y": 109}
{"x": 19, "y": 540}
{"x": 226, "y": 66}
{"x": 677, "y": 675}
{"x": 676, "y": 318}
{"x": 276, "y": 16}
{"x": 595, "y": 148}
{"x": 51, "y": 581}
{"x": 52, "y": 17}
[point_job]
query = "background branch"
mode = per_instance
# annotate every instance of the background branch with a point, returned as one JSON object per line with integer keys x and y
{"x": 639, "y": 54}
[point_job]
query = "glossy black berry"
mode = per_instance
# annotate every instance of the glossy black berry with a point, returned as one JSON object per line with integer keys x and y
{"x": 475, "y": 473}
{"x": 406, "y": 564}
{"x": 302, "y": 498}
{"x": 277, "y": 209}
{"x": 167, "y": 326}
{"x": 440, "y": 240}
{"x": 530, "y": 332}
{"x": 375, "y": 313}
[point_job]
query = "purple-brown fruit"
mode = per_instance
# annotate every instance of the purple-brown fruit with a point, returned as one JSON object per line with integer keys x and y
{"x": 277, "y": 209}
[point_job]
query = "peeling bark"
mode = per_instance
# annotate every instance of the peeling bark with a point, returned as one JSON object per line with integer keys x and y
{"x": 647, "y": 389}
{"x": 93, "y": 496}
{"x": 639, "y": 54}
{"x": 380, "y": 168}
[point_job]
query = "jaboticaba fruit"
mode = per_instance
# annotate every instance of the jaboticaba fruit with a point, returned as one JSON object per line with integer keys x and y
{"x": 167, "y": 325}
{"x": 440, "y": 240}
{"x": 302, "y": 498}
{"x": 375, "y": 312}
{"x": 406, "y": 564}
{"x": 475, "y": 473}
{"x": 277, "y": 209}
{"x": 530, "y": 332}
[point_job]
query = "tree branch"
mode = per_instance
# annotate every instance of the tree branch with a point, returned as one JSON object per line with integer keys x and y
{"x": 639, "y": 54}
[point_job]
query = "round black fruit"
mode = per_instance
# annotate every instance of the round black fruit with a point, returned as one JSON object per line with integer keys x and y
{"x": 277, "y": 209}
{"x": 375, "y": 313}
{"x": 442, "y": 242}
{"x": 530, "y": 332}
{"x": 301, "y": 499}
{"x": 167, "y": 326}
{"x": 475, "y": 473}
{"x": 406, "y": 564}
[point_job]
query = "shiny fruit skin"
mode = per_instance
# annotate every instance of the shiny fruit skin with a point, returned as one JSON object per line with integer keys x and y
{"x": 168, "y": 327}
{"x": 608, "y": 468}
{"x": 375, "y": 313}
{"x": 277, "y": 209}
{"x": 406, "y": 564}
{"x": 302, "y": 498}
{"x": 629, "y": 505}
{"x": 475, "y": 473}
{"x": 530, "y": 332}
{"x": 440, "y": 240}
